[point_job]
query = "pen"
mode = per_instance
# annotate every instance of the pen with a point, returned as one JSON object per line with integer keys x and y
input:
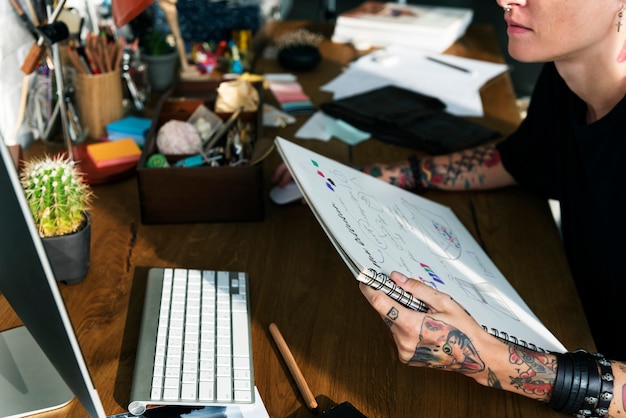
{"x": 447, "y": 64}
{"x": 293, "y": 368}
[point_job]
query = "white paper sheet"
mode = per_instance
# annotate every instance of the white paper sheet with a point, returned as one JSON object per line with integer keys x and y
{"x": 411, "y": 69}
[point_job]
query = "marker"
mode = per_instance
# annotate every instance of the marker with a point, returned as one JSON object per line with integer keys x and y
{"x": 453, "y": 66}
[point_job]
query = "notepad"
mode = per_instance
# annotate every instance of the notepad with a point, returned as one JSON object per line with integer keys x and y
{"x": 132, "y": 127}
{"x": 112, "y": 153}
{"x": 378, "y": 228}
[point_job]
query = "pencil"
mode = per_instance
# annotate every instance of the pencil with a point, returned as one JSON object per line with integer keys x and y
{"x": 309, "y": 399}
{"x": 76, "y": 62}
{"x": 449, "y": 65}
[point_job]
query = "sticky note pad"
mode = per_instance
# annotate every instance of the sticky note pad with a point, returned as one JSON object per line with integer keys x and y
{"x": 129, "y": 127}
{"x": 111, "y": 153}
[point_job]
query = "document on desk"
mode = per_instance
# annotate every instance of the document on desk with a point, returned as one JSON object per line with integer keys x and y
{"x": 256, "y": 410}
{"x": 378, "y": 227}
{"x": 322, "y": 127}
{"x": 454, "y": 80}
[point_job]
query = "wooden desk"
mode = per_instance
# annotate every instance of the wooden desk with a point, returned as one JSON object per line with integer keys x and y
{"x": 298, "y": 281}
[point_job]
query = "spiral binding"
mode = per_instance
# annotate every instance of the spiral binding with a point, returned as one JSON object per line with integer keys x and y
{"x": 381, "y": 281}
{"x": 511, "y": 339}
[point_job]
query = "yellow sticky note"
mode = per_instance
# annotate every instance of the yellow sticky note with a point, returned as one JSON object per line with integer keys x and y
{"x": 110, "y": 153}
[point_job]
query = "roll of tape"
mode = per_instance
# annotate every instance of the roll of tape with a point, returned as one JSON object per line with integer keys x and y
{"x": 157, "y": 161}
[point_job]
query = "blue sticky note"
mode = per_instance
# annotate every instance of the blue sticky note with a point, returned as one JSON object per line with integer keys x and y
{"x": 345, "y": 132}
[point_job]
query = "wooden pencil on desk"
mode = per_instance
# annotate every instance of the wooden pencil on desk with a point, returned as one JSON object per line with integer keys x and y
{"x": 309, "y": 399}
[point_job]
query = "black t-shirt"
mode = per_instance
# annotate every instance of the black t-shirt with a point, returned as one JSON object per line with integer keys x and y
{"x": 555, "y": 153}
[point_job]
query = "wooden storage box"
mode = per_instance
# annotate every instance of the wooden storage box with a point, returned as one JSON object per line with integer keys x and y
{"x": 198, "y": 194}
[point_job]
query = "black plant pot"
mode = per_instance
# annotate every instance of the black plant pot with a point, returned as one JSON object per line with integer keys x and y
{"x": 299, "y": 57}
{"x": 69, "y": 255}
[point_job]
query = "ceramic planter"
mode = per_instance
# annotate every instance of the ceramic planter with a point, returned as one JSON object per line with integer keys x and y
{"x": 69, "y": 255}
{"x": 161, "y": 70}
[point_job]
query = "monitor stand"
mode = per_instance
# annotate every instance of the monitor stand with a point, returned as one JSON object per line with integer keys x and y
{"x": 29, "y": 383}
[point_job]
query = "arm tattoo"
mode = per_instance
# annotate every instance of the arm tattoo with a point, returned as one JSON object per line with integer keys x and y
{"x": 492, "y": 380}
{"x": 536, "y": 371}
{"x": 461, "y": 169}
{"x": 398, "y": 174}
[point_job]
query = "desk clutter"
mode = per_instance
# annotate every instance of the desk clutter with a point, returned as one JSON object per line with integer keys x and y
{"x": 377, "y": 23}
{"x": 201, "y": 159}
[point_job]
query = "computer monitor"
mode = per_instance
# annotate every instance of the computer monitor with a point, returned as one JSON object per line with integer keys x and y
{"x": 41, "y": 364}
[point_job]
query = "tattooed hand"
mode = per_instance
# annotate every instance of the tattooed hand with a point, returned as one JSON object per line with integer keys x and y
{"x": 440, "y": 338}
{"x": 448, "y": 338}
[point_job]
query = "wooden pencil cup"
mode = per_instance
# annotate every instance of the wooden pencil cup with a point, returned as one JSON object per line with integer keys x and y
{"x": 99, "y": 100}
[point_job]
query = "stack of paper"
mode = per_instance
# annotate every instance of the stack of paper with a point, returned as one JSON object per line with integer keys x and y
{"x": 456, "y": 81}
{"x": 379, "y": 24}
{"x": 289, "y": 93}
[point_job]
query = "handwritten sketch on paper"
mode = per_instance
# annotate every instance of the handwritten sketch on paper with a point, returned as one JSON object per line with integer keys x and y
{"x": 382, "y": 227}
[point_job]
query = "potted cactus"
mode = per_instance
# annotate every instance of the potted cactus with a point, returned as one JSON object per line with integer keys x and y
{"x": 59, "y": 200}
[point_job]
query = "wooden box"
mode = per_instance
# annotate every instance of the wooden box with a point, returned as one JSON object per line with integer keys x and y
{"x": 198, "y": 194}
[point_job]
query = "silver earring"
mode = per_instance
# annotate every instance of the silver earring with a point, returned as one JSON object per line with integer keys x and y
{"x": 619, "y": 18}
{"x": 507, "y": 8}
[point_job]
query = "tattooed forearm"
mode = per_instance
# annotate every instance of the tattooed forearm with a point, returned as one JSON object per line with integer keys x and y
{"x": 492, "y": 380}
{"x": 460, "y": 169}
{"x": 536, "y": 371}
{"x": 399, "y": 174}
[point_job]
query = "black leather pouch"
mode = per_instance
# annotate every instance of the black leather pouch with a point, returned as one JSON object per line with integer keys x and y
{"x": 403, "y": 117}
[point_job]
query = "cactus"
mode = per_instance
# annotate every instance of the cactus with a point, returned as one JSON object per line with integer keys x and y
{"x": 57, "y": 195}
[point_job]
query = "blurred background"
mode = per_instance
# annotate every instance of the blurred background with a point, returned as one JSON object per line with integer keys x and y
{"x": 524, "y": 75}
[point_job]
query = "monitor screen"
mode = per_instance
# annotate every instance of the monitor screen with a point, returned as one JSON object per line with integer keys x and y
{"x": 29, "y": 285}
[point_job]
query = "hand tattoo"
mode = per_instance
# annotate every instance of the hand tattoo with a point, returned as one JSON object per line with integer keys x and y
{"x": 393, "y": 314}
{"x": 445, "y": 347}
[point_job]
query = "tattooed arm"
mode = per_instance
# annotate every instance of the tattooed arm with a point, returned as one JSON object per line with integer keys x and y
{"x": 448, "y": 338}
{"x": 475, "y": 168}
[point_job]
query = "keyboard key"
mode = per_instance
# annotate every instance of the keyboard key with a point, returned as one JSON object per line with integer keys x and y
{"x": 156, "y": 393}
{"x": 241, "y": 363}
{"x": 224, "y": 388}
{"x": 241, "y": 342}
{"x": 188, "y": 391}
{"x": 206, "y": 391}
{"x": 170, "y": 394}
{"x": 243, "y": 395}
{"x": 242, "y": 385}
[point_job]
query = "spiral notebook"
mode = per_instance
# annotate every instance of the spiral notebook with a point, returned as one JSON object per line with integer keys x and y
{"x": 377, "y": 226}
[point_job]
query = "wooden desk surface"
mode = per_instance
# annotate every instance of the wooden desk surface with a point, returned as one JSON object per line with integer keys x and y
{"x": 298, "y": 281}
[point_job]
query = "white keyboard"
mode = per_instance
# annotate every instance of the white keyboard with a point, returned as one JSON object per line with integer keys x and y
{"x": 195, "y": 344}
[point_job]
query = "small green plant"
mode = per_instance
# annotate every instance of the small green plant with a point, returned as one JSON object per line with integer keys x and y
{"x": 156, "y": 42}
{"x": 57, "y": 195}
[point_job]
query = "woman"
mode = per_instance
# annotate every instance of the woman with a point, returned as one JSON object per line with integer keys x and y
{"x": 569, "y": 148}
